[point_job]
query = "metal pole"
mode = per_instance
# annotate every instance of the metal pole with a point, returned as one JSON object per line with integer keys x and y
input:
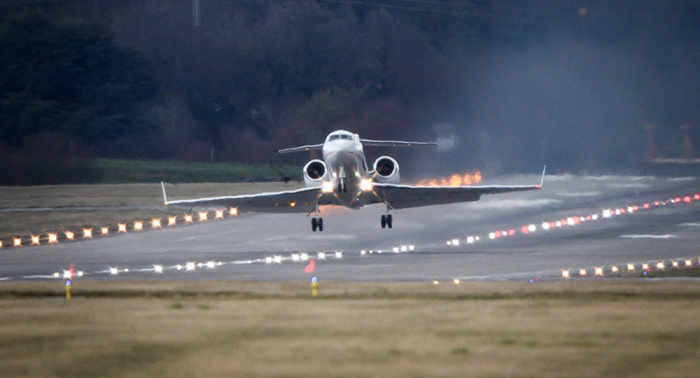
{"x": 196, "y": 19}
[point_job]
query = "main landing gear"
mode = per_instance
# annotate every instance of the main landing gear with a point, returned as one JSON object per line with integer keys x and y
{"x": 317, "y": 224}
{"x": 387, "y": 221}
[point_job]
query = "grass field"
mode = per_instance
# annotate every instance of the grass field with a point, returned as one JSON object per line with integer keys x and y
{"x": 116, "y": 171}
{"x": 396, "y": 330}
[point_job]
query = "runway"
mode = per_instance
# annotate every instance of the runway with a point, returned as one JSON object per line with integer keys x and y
{"x": 602, "y": 223}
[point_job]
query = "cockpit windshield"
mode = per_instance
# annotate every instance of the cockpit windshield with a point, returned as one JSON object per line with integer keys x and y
{"x": 339, "y": 136}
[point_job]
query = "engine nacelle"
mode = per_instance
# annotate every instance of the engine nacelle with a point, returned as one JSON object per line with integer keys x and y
{"x": 315, "y": 172}
{"x": 386, "y": 170}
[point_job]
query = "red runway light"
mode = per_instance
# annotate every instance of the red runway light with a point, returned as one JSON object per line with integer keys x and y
{"x": 687, "y": 199}
{"x": 635, "y": 208}
{"x": 646, "y": 206}
{"x": 697, "y": 197}
{"x": 577, "y": 220}
{"x": 511, "y": 232}
{"x": 524, "y": 230}
{"x": 677, "y": 199}
{"x": 552, "y": 224}
{"x": 498, "y": 234}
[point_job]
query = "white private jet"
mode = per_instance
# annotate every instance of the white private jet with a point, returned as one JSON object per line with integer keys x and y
{"x": 342, "y": 178}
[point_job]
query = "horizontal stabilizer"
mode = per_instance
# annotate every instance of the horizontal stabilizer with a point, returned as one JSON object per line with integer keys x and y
{"x": 394, "y": 143}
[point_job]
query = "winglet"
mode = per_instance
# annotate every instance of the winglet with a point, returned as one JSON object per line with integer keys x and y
{"x": 165, "y": 197}
{"x": 542, "y": 179}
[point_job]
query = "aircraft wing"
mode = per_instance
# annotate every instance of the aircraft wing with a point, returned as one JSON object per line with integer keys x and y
{"x": 293, "y": 201}
{"x": 301, "y": 149}
{"x": 406, "y": 196}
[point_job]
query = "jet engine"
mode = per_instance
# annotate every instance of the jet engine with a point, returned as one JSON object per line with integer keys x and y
{"x": 386, "y": 170}
{"x": 315, "y": 172}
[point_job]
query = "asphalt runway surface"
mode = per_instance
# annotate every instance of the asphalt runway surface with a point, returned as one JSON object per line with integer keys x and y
{"x": 602, "y": 224}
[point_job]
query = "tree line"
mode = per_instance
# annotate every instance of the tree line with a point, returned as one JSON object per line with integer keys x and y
{"x": 138, "y": 79}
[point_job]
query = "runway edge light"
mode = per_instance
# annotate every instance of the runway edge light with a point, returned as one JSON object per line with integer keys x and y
{"x": 314, "y": 286}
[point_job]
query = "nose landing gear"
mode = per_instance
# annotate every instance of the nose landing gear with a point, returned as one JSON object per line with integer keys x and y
{"x": 316, "y": 221}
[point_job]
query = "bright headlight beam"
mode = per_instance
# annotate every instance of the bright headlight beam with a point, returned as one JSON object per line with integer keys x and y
{"x": 366, "y": 185}
{"x": 327, "y": 187}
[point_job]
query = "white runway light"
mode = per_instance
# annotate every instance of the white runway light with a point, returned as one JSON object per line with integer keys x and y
{"x": 295, "y": 257}
{"x": 113, "y": 271}
{"x": 190, "y": 266}
{"x": 321, "y": 255}
{"x": 339, "y": 255}
{"x": 158, "y": 268}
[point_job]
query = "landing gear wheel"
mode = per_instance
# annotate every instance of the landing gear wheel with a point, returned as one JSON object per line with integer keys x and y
{"x": 389, "y": 220}
{"x": 384, "y": 221}
{"x": 317, "y": 224}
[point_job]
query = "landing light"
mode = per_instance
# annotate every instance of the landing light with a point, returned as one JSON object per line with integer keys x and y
{"x": 470, "y": 240}
{"x": 104, "y": 230}
{"x": 630, "y": 267}
{"x": 327, "y": 187}
{"x": 675, "y": 264}
{"x": 456, "y": 281}
{"x": 660, "y": 265}
{"x": 614, "y": 269}
{"x": 219, "y": 214}
{"x": 122, "y": 227}
{"x": 69, "y": 235}
{"x": 233, "y": 211}
{"x": 366, "y": 185}
{"x": 203, "y": 215}
{"x": 155, "y": 223}
{"x": 17, "y": 242}
{"x": 172, "y": 220}
{"x": 53, "y": 238}
{"x": 138, "y": 225}
{"x": 582, "y": 272}
{"x": 87, "y": 233}
{"x": 188, "y": 218}
{"x": 599, "y": 271}
{"x": 565, "y": 274}
{"x": 688, "y": 263}
{"x": 35, "y": 240}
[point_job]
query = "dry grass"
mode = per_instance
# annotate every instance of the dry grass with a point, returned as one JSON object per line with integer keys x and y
{"x": 143, "y": 202}
{"x": 400, "y": 330}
